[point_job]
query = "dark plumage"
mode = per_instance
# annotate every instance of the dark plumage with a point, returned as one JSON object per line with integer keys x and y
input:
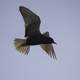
{"x": 33, "y": 35}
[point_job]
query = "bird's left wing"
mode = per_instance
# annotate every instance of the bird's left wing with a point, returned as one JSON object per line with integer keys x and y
{"x": 32, "y": 21}
{"x": 48, "y": 48}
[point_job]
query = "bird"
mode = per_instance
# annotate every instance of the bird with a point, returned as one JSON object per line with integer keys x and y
{"x": 33, "y": 36}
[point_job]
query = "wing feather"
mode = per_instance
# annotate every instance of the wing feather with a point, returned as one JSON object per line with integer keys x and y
{"x": 48, "y": 48}
{"x": 32, "y": 21}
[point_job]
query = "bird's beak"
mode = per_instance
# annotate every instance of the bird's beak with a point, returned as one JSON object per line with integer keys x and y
{"x": 55, "y": 43}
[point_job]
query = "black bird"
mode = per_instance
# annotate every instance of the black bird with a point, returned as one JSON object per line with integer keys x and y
{"x": 33, "y": 36}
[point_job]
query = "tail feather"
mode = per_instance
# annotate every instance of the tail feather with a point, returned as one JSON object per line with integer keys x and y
{"x": 21, "y": 46}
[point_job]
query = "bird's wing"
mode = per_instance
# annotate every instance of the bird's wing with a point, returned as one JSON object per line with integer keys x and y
{"x": 20, "y": 45}
{"x": 32, "y": 21}
{"x": 48, "y": 48}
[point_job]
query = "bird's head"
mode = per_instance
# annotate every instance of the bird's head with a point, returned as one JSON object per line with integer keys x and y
{"x": 51, "y": 40}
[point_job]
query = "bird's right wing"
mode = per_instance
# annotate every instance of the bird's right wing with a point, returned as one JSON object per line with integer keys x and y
{"x": 48, "y": 48}
{"x": 32, "y": 21}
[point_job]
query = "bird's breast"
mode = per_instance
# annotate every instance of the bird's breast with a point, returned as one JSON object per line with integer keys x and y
{"x": 38, "y": 39}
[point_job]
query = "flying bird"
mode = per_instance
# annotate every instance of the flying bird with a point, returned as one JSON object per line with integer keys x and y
{"x": 33, "y": 36}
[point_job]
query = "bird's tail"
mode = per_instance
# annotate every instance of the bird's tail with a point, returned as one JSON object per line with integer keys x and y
{"x": 21, "y": 46}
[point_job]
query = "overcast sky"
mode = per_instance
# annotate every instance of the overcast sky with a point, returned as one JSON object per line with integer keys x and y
{"x": 62, "y": 19}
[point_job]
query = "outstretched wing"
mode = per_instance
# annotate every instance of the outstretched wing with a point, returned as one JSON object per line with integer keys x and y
{"x": 48, "y": 48}
{"x": 32, "y": 21}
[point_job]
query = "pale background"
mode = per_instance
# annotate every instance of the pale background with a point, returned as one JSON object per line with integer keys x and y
{"x": 62, "y": 19}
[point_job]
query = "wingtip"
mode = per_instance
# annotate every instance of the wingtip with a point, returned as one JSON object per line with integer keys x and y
{"x": 21, "y": 8}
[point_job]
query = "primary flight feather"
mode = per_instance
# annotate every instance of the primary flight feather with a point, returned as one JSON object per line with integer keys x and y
{"x": 33, "y": 36}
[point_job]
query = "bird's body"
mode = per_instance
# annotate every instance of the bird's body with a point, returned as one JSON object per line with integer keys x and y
{"x": 38, "y": 39}
{"x": 33, "y": 36}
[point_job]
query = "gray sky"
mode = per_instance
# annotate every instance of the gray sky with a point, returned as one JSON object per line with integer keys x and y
{"x": 62, "y": 19}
